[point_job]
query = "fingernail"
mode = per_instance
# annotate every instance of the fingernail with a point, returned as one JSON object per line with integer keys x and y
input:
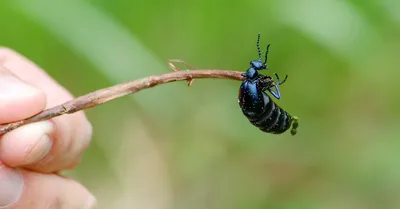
{"x": 36, "y": 138}
{"x": 27, "y": 144}
{"x": 11, "y": 184}
{"x": 40, "y": 150}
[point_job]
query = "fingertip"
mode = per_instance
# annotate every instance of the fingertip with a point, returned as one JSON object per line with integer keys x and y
{"x": 18, "y": 100}
{"x": 27, "y": 144}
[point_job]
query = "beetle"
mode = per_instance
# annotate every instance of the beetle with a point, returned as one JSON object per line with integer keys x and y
{"x": 257, "y": 105}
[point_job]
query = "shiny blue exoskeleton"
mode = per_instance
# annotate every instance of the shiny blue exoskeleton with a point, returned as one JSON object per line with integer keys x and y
{"x": 255, "y": 103}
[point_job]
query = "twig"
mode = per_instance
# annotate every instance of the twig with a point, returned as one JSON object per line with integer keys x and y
{"x": 107, "y": 94}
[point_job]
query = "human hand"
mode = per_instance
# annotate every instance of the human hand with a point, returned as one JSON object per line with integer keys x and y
{"x": 31, "y": 155}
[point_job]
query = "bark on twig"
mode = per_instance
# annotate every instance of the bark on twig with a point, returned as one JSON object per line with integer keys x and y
{"x": 107, "y": 94}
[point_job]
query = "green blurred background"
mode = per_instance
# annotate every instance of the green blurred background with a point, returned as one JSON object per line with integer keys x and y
{"x": 173, "y": 147}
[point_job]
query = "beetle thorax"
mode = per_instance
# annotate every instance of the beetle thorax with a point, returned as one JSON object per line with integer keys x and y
{"x": 251, "y": 74}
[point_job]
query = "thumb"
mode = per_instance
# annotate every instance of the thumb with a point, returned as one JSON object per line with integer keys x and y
{"x": 18, "y": 99}
{"x": 26, "y": 189}
{"x": 11, "y": 185}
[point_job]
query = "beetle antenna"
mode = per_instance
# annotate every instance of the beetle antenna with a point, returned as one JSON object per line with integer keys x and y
{"x": 266, "y": 54}
{"x": 258, "y": 47}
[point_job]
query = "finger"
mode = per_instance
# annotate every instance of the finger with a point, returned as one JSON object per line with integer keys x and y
{"x": 28, "y": 144}
{"x": 69, "y": 135}
{"x": 15, "y": 94}
{"x": 26, "y": 189}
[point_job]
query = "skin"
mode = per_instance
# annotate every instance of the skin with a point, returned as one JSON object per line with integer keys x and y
{"x": 39, "y": 151}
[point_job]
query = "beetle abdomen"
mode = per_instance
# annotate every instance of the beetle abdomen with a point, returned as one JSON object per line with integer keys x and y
{"x": 273, "y": 118}
{"x": 279, "y": 122}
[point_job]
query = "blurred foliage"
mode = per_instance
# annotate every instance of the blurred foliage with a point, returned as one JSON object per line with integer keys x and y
{"x": 188, "y": 148}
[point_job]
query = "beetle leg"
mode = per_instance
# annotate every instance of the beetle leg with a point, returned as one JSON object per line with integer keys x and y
{"x": 277, "y": 93}
{"x": 266, "y": 83}
{"x": 279, "y": 81}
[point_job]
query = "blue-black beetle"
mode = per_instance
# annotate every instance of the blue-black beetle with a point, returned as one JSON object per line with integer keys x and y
{"x": 257, "y": 106}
